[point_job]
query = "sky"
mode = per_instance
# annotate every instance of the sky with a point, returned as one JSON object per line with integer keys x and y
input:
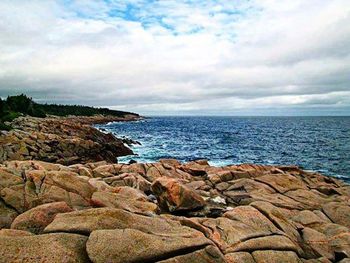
{"x": 189, "y": 57}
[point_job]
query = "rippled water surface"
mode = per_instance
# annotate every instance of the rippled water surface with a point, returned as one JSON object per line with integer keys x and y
{"x": 315, "y": 143}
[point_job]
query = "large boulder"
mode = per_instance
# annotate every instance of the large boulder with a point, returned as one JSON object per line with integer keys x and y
{"x": 339, "y": 239}
{"x": 130, "y": 245}
{"x": 338, "y": 213}
{"x": 196, "y": 168}
{"x": 282, "y": 182}
{"x": 14, "y": 233}
{"x": 70, "y": 182}
{"x": 235, "y": 235}
{"x": 134, "y": 180}
{"x": 115, "y": 200}
{"x": 36, "y": 219}
{"x": 7, "y": 215}
{"x": 174, "y": 196}
{"x": 86, "y": 221}
{"x": 318, "y": 242}
{"x": 8, "y": 178}
{"x": 253, "y": 218}
{"x": 42, "y": 186}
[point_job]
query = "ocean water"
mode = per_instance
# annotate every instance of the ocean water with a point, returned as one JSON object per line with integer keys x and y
{"x": 314, "y": 143}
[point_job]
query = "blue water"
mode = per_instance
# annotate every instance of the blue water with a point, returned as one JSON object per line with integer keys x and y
{"x": 314, "y": 143}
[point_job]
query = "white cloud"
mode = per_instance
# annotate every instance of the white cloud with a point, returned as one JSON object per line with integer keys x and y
{"x": 179, "y": 56}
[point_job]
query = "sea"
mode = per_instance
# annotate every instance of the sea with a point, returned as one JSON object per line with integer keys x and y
{"x": 319, "y": 144}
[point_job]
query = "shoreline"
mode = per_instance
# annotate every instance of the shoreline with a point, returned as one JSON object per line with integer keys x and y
{"x": 146, "y": 152}
{"x": 65, "y": 140}
{"x": 89, "y": 209}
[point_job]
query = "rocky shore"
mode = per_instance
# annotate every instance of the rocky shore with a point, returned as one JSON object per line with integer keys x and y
{"x": 66, "y": 140}
{"x": 88, "y": 210}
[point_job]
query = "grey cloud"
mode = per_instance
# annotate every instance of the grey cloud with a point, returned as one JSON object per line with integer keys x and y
{"x": 249, "y": 58}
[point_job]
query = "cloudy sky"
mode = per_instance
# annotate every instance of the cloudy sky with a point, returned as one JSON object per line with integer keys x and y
{"x": 257, "y": 57}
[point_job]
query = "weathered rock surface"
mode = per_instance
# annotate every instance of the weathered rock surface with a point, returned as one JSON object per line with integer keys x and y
{"x": 59, "y": 247}
{"x": 36, "y": 219}
{"x": 173, "y": 196}
{"x": 7, "y": 215}
{"x": 115, "y": 200}
{"x": 115, "y": 245}
{"x": 66, "y": 140}
{"x": 242, "y": 213}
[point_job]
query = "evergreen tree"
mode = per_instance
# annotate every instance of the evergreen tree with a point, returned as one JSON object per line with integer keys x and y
{"x": 19, "y": 103}
{"x": 14, "y": 106}
{"x": 1, "y": 107}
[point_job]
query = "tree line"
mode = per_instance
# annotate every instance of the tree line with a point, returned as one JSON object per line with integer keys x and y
{"x": 15, "y": 106}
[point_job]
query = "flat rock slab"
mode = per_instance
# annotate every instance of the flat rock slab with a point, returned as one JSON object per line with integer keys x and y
{"x": 130, "y": 245}
{"x": 86, "y": 221}
{"x": 209, "y": 254}
{"x": 58, "y": 247}
{"x": 114, "y": 200}
{"x": 273, "y": 256}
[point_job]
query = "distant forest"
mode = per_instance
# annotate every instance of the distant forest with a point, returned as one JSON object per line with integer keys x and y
{"x": 15, "y": 106}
